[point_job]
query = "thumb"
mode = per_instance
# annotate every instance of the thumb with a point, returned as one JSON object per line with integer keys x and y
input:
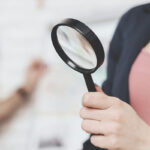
{"x": 98, "y": 89}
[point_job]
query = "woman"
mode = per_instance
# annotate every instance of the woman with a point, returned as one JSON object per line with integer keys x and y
{"x": 107, "y": 115}
{"x": 9, "y": 106}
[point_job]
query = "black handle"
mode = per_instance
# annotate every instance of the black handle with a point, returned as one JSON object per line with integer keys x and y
{"x": 89, "y": 83}
{"x": 91, "y": 88}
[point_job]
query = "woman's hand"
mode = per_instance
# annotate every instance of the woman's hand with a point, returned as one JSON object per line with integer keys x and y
{"x": 114, "y": 123}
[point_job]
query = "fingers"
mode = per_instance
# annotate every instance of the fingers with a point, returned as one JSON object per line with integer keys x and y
{"x": 92, "y": 126}
{"x": 96, "y": 100}
{"x": 101, "y": 127}
{"x": 98, "y": 127}
{"x": 102, "y": 116}
{"x": 105, "y": 142}
{"x": 99, "y": 141}
{"x": 93, "y": 114}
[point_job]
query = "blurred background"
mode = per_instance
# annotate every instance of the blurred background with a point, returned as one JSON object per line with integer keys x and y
{"x": 50, "y": 121}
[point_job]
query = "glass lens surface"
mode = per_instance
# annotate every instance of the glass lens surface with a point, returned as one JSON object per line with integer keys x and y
{"x": 76, "y": 47}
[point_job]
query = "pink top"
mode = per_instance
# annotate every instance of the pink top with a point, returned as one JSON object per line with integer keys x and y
{"x": 139, "y": 85}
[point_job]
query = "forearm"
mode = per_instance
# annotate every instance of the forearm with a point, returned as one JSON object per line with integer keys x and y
{"x": 9, "y": 106}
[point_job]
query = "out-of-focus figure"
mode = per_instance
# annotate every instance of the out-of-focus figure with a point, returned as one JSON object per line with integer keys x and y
{"x": 9, "y": 106}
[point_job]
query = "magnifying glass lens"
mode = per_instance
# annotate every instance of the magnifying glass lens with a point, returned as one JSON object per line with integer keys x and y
{"x": 79, "y": 47}
{"x": 76, "y": 47}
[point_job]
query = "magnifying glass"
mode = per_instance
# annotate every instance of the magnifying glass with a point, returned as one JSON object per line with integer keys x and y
{"x": 79, "y": 48}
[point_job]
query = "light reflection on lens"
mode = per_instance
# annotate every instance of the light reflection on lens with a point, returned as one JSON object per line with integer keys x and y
{"x": 76, "y": 47}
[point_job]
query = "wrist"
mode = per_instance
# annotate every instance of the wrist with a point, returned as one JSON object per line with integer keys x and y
{"x": 29, "y": 86}
{"x": 23, "y": 93}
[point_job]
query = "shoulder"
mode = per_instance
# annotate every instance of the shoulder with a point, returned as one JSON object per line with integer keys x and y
{"x": 140, "y": 8}
{"x": 134, "y": 13}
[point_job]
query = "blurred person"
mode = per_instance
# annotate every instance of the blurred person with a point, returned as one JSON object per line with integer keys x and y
{"x": 9, "y": 106}
{"x": 118, "y": 117}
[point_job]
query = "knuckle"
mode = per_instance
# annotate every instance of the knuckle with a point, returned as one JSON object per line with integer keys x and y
{"x": 116, "y": 128}
{"x": 83, "y": 112}
{"x": 114, "y": 142}
{"x": 84, "y": 125}
{"x": 118, "y": 115}
{"x": 118, "y": 102}
{"x": 92, "y": 139}
{"x": 85, "y": 99}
